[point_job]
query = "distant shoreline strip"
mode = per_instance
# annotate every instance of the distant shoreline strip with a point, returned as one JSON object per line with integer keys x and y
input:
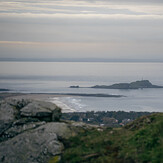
{"x": 82, "y": 94}
{"x": 66, "y": 94}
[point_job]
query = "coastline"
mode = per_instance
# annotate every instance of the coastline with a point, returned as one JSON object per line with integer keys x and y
{"x": 53, "y": 98}
{"x": 39, "y": 97}
{"x": 72, "y": 103}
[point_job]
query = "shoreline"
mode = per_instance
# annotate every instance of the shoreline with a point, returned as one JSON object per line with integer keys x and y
{"x": 65, "y": 94}
{"x": 54, "y": 98}
{"x": 39, "y": 97}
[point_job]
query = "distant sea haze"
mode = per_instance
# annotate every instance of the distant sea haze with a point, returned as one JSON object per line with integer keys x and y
{"x": 56, "y": 77}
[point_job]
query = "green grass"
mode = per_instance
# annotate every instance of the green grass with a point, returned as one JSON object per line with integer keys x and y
{"x": 139, "y": 142}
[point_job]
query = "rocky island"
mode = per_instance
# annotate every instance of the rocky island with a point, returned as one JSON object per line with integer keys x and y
{"x": 133, "y": 85}
{"x": 74, "y": 86}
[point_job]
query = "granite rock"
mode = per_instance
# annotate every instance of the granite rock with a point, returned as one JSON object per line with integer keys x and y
{"x": 31, "y": 131}
{"x": 37, "y": 145}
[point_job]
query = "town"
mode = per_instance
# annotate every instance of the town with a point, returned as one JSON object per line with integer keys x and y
{"x": 104, "y": 118}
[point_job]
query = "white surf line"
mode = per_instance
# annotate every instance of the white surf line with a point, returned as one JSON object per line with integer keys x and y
{"x": 65, "y": 108}
{"x": 77, "y": 103}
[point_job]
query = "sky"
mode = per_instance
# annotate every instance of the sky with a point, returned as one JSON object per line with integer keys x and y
{"x": 77, "y": 29}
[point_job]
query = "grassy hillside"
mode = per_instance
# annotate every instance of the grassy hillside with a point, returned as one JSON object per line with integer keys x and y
{"x": 138, "y": 142}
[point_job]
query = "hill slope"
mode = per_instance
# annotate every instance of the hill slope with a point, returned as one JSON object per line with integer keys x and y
{"x": 139, "y": 141}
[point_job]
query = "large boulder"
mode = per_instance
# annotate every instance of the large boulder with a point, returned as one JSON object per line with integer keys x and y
{"x": 19, "y": 115}
{"x": 7, "y": 116}
{"x": 42, "y": 110}
{"x": 16, "y": 129}
{"x": 37, "y": 145}
{"x": 7, "y": 112}
{"x": 17, "y": 103}
{"x": 62, "y": 130}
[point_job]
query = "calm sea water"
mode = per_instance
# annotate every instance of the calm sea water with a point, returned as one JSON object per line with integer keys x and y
{"x": 56, "y": 77}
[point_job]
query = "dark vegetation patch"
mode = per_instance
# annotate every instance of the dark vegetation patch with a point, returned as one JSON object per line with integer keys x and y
{"x": 130, "y": 144}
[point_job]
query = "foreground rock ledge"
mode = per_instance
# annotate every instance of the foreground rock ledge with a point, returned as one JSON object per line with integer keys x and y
{"x": 31, "y": 131}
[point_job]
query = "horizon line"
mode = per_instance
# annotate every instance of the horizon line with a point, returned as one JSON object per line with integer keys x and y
{"x": 76, "y": 60}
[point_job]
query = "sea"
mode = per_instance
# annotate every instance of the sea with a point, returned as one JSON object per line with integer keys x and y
{"x": 57, "y": 77}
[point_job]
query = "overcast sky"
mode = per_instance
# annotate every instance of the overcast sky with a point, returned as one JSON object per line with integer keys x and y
{"x": 112, "y": 29}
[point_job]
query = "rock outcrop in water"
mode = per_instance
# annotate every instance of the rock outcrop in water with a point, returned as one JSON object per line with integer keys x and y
{"x": 74, "y": 86}
{"x": 133, "y": 85}
{"x": 4, "y": 90}
{"x": 31, "y": 131}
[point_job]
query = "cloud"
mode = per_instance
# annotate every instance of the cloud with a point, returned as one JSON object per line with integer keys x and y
{"x": 82, "y": 9}
{"x": 81, "y": 28}
{"x": 82, "y": 16}
{"x": 114, "y": 49}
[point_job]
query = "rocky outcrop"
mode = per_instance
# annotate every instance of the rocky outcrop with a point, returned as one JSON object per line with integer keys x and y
{"x": 16, "y": 113}
{"x": 74, "y": 86}
{"x": 37, "y": 145}
{"x": 42, "y": 110}
{"x": 7, "y": 116}
{"x": 31, "y": 131}
{"x": 133, "y": 85}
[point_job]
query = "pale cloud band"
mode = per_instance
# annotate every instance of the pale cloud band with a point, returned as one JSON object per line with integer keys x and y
{"x": 82, "y": 9}
{"x": 81, "y": 28}
{"x": 82, "y": 16}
